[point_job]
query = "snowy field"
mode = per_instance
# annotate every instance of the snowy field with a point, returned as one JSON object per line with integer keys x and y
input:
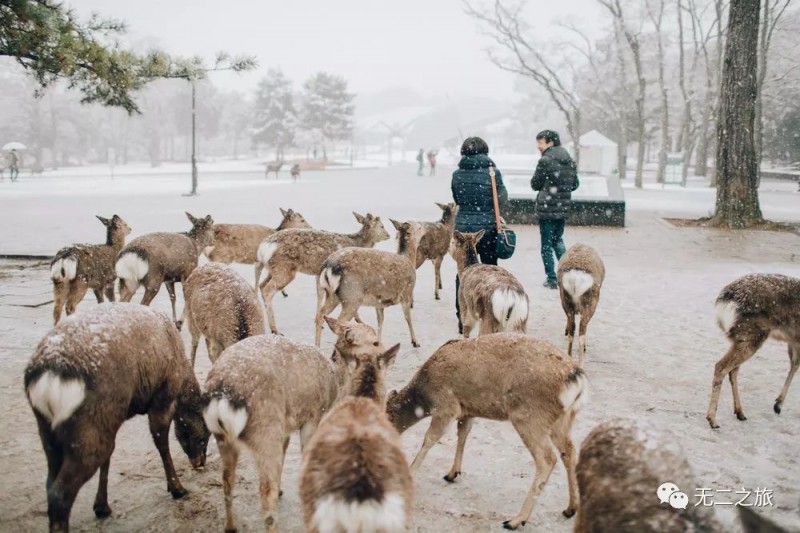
{"x": 652, "y": 345}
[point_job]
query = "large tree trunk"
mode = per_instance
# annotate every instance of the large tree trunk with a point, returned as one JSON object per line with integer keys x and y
{"x": 622, "y": 79}
{"x": 574, "y": 128}
{"x": 737, "y": 166}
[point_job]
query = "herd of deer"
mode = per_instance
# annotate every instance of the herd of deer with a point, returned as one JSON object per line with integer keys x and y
{"x": 102, "y": 366}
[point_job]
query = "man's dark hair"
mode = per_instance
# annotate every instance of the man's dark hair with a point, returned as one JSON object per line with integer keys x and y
{"x": 474, "y": 146}
{"x": 549, "y": 136}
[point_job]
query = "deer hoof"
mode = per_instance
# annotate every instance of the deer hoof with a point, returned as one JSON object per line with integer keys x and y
{"x": 415, "y": 344}
{"x": 177, "y": 494}
{"x": 451, "y": 479}
{"x": 179, "y": 324}
{"x": 777, "y": 408}
{"x": 509, "y": 524}
{"x": 712, "y": 423}
{"x": 740, "y": 415}
{"x": 102, "y": 511}
{"x": 569, "y": 513}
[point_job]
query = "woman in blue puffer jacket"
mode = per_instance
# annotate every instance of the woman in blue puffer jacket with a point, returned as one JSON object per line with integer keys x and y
{"x": 472, "y": 192}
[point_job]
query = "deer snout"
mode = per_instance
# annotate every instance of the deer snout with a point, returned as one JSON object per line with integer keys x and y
{"x": 199, "y": 461}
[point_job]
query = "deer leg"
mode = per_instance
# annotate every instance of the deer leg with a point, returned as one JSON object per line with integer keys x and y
{"x": 52, "y": 449}
{"x": 570, "y": 332}
{"x": 586, "y": 316}
{"x": 160, "y": 421}
{"x": 379, "y": 311}
{"x": 794, "y": 362}
{"x": 269, "y": 459}
{"x": 464, "y": 426}
{"x": 195, "y": 343}
{"x": 306, "y": 432}
{"x": 110, "y": 292}
{"x": 98, "y": 294}
{"x": 439, "y": 423}
{"x": 77, "y": 290}
{"x": 563, "y": 442}
{"x": 75, "y": 471}
{"x": 258, "y": 268}
{"x": 150, "y": 291}
{"x": 544, "y": 459}
{"x": 407, "y": 313}
{"x": 126, "y": 293}
{"x": 172, "y": 299}
{"x": 215, "y": 349}
{"x": 274, "y": 282}
{"x": 101, "y": 508}
{"x": 60, "y": 291}
{"x": 737, "y": 403}
{"x": 437, "y": 272}
{"x": 739, "y": 352}
{"x": 230, "y": 458}
{"x": 330, "y": 303}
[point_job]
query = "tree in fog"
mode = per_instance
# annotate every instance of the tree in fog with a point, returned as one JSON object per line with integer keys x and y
{"x": 275, "y": 116}
{"x": 327, "y": 108}
{"x": 737, "y": 162}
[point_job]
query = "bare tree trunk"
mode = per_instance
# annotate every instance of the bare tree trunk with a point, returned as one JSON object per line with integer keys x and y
{"x": 737, "y": 165}
{"x": 718, "y": 8}
{"x": 664, "y": 147}
{"x": 622, "y": 80}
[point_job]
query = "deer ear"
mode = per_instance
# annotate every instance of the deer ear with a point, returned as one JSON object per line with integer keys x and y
{"x": 458, "y": 236}
{"x": 397, "y": 225}
{"x": 284, "y": 212}
{"x": 192, "y": 219}
{"x": 209, "y": 220}
{"x": 336, "y": 326}
{"x": 479, "y": 236}
{"x": 359, "y": 218}
{"x": 443, "y": 207}
{"x": 388, "y": 356}
{"x": 105, "y": 221}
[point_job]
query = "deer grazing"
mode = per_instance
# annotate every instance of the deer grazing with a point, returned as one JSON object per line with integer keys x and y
{"x": 435, "y": 242}
{"x": 78, "y": 268}
{"x": 238, "y": 243}
{"x": 288, "y": 252}
{"x": 354, "y": 277}
{"x": 355, "y": 476}
{"x": 274, "y": 167}
{"x": 503, "y": 376}
{"x": 749, "y": 311}
{"x": 580, "y": 276}
{"x": 221, "y": 306}
{"x": 295, "y": 172}
{"x": 157, "y": 258}
{"x": 487, "y": 294}
{"x": 92, "y": 372}
{"x": 623, "y": 465}
{"x": 263, "y": 389}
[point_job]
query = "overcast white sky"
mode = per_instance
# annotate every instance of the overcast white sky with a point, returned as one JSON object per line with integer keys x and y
{"x": 431, "y": 46}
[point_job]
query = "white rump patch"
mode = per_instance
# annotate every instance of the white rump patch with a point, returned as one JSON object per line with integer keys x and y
{"x": 575, "y": 394}
{"x": 265, "y": 251}
{"x": 333, "y": 515}
{"x": 222, "y": 418}
{"x": 64, "y": 269}
{"x": 329, "y": 281}
{"x": 55, "y": 398}
{"x": 727, "y": 313}
{"x": 576, "y": 283}
{"x": 131, "y": 268}
{"x": 509, "y": 307}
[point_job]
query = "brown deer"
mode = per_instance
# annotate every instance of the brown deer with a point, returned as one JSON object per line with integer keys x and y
{"x": 263, "y": 389}
{"x": 295, "y": 172}
{"x": 627, "y": 472}
{"x": 749, "y": 311}
{"x": 78, "y": 268}
{"x": 157, "y": 258}
{"x": 221, "y": 306}
{"x": 503, "y": 376}
{"x": 238, "y": 243}
{"x": 293, "y": 251}
{"x": 92, "y": 372}
{"x": 274, "y": 167}
{"x": 435, "y": 242}
{"x": 580, "y": 277}
{"x": 354, "y": 277}
{"x": 355, "y": 476}
{"x": 487, "y": 294}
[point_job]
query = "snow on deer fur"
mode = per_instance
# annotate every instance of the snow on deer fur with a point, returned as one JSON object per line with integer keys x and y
{"x": 264, "y": 388}
{"x": 92, "y": 372}
{"x": 501, "y": 376}
{"x": 78, "y": 268}
{"x": 580, "y": 277}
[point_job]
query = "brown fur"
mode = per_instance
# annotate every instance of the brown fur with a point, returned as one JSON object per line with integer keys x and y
{"x": 583, "y": 258}
{"x": 274, "y": 167}
{"x": 171, "y": 258}
{"x": 622, "y": 464}
{"x": 221, "y": 306}
{"x": 435, "y": 242}
{"x": 354, "y": 277}
{"x": 132, "y": 361}
{"x": 766, "y": 305}
{"x": 238, "y": 243}
{"x": 304, "y": 251}
{"x": 503, "y": 376}
{"x": 284, "y": 387}
{"x": 94, "y": 269}
{"x": 477, "y": 286}
{"x": 355, "y": 456}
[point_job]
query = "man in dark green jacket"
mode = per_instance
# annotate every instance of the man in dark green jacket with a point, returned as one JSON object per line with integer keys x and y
{"x": 555, "y": 179}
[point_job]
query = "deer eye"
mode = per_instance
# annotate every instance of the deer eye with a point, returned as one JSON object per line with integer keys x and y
{"x": 376, "y": 343}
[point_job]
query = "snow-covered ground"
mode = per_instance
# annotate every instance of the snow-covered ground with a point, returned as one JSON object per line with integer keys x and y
{"x": 652, "y": 346}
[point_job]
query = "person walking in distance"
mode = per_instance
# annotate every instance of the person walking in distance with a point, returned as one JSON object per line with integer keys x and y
{"x": 472, "y": 192}
{"x": 13, "y": 165}
{"x": 555, "y": 179}
{"x": 432, "y": 161}
{"x": 420, "y": 161}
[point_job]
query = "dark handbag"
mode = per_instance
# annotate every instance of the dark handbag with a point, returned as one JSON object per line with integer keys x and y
{"x": 506, "y": 240}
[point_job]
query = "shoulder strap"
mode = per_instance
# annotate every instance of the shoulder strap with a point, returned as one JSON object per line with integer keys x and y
{"x": 495, "y": 200}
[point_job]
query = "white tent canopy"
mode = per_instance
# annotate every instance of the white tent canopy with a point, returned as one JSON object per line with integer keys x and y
{"x": 598, "y": 154}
